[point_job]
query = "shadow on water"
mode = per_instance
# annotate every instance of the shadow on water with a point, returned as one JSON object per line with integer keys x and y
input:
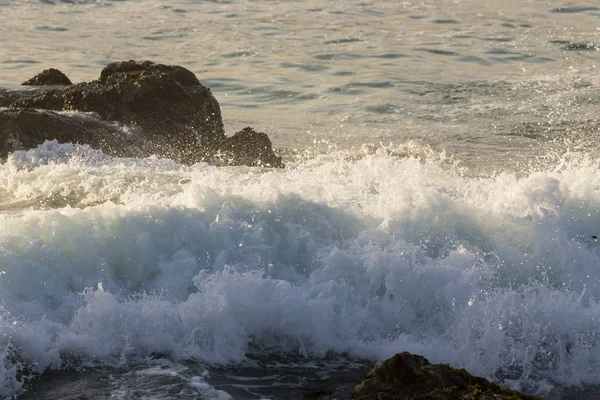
{"x": 292, "y": 378}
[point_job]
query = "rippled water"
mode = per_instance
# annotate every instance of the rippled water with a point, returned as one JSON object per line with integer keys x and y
{"x": 442, "y": 196}
{"x": 490, "y": 82}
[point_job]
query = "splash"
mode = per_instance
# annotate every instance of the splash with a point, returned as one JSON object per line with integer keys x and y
{"x": 365, "y": 255}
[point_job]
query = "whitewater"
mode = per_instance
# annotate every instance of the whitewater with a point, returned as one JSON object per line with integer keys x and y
{"x": 441, "y": 196}
{"x": 115, "y": 260}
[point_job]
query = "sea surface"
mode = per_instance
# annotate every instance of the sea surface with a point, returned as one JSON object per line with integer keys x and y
{"x": 441, "y": 196}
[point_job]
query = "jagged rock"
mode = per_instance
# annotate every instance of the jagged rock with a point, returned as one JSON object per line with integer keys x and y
{"x": 48, "y": 77}
{"x": 407, "y": 376}
{"x": 167, "y": 106}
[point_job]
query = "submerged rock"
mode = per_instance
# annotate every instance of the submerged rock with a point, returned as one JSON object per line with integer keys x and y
{"x": 166, "y": 106}
{"x": 407, "y": 376}
{"x": 48, "y": 77}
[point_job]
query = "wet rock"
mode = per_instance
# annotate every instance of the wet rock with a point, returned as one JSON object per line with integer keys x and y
{"x": 248, "y": 147}
{"x": 48, "y": 77}
{"x": 25, "y": 129}
{"x": 407, "y": 376}
{"x": 179, "y": 117}
{"x": 166, "y": 105}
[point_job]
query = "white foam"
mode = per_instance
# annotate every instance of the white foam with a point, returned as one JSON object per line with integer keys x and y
{"x": 383, "y": 254}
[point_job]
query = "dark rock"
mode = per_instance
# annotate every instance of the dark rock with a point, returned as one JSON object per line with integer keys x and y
{"x": 48, "y": 77}
{"x": 407, "y": 376}
{"x": 25, "y": 129}
{"x": 180, "y": 74}
{"x": 248, "y": 147}
{"x": 178, "y": 116}
{"x": 8, "y": 97}
{"x": 168, "y": 107}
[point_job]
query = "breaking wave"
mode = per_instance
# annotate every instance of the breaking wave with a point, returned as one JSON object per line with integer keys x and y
{"x": 108, "y": 261}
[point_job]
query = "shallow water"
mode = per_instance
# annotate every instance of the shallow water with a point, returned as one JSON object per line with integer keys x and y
{"x": 442, "y": 197}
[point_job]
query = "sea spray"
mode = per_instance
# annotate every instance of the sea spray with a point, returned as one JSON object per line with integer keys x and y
{"x": 365, "y": 255}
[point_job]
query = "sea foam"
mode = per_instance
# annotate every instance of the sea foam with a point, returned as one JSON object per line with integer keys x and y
{"x": 366, "y": 255}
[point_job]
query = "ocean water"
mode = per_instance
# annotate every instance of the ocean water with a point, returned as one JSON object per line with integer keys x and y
{"x": 441, "y": 196}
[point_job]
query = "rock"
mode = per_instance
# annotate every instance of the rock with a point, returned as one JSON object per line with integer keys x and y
{"x": 25, "y": 129}
{"x": 48, "y": 77}
{"x": 179, "y": 118}
{"x": 167, "y": 106}
{"x": 248, "y": 147}
{"x": 407, "y": 376}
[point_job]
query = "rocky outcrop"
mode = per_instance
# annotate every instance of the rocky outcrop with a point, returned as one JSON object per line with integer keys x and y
{"x": 165, "y": 107}
{"x": 48, "y": 77}
{"x": 407, "y": 376}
